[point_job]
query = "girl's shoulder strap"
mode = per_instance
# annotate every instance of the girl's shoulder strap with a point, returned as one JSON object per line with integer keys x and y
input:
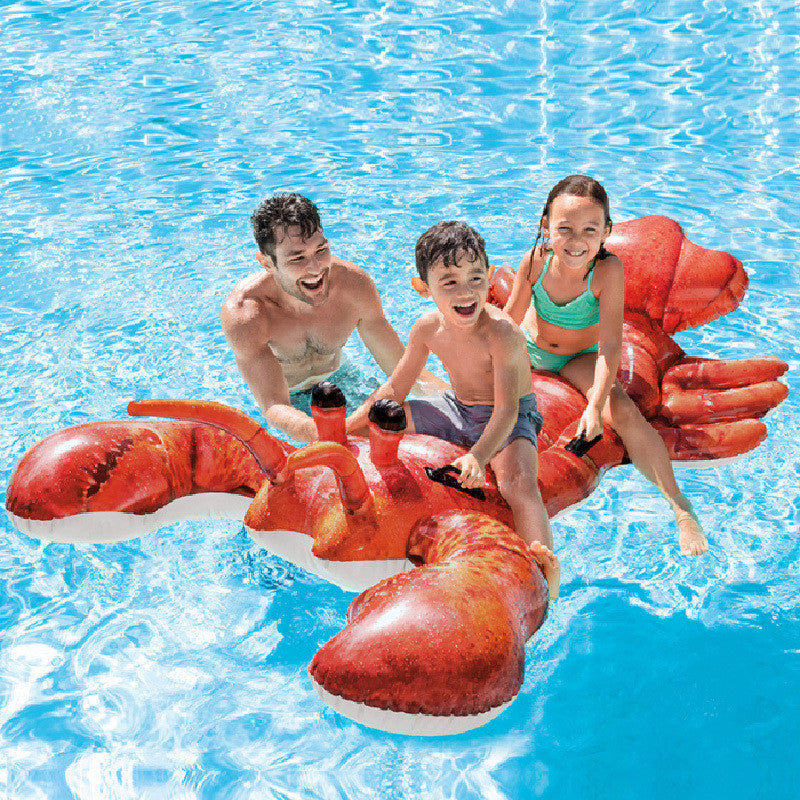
{"x": 590, "y": 274}
{"x": 545, "y": 267}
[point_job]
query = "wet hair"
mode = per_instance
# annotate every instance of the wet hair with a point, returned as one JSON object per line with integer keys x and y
{"x": 447, "y": 241}
{"x": 576, "y": 186}
{"x": 282, "y": 211}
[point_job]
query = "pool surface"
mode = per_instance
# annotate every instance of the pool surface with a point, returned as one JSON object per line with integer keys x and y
{"x": 135, "y": 141}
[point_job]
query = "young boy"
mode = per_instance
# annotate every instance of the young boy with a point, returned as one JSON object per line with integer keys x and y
{"x": 491, "y": 408}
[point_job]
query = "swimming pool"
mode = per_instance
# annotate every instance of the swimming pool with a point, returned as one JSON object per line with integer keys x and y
{"x": 136, "y": 139}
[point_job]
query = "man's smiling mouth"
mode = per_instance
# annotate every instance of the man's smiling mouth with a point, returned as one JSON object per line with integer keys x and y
{"x": 313, "y": 285}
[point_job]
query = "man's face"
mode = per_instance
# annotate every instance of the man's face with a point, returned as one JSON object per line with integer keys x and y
{"x": 302, "y": 266}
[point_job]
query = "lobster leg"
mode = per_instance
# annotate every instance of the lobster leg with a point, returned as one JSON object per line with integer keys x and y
{"x": 706, "y": 390}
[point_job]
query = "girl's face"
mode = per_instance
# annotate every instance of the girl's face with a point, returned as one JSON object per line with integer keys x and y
{"x": 576, "y": 228}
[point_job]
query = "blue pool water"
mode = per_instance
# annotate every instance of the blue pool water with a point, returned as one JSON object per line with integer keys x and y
{"x": 136, "y": 139}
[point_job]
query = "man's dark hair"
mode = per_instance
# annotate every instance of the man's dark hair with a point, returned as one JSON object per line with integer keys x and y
{"x": 282, "y": 211}
{"x": 447, "y": 241}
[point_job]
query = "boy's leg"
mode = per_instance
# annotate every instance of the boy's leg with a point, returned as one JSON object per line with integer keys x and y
{"x": 516, "y": 468}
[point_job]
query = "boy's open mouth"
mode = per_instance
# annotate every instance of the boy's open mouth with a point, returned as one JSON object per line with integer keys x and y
{"x": 465, "y": 311}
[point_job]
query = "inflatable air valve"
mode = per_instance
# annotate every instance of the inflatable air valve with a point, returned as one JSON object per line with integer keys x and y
{"x": 387, "y": 424}
{"x": 329, "y": 409}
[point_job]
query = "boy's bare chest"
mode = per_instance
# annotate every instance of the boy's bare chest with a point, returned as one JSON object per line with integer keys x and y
{"x": 466, "y": 357}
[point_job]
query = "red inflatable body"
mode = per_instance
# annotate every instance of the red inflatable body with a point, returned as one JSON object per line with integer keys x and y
{"x": 435, "y": 642}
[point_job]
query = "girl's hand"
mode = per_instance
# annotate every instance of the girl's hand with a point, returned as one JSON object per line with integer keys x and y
{"x": 473, "y": 475}
{"x": 591, "y": 423}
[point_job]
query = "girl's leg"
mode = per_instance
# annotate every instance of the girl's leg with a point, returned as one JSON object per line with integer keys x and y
{"x": 516, "y": 468}
{"x": 645, "y": 449}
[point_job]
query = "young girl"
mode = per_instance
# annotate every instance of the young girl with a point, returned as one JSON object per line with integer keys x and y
{"x": 568, "y": 296}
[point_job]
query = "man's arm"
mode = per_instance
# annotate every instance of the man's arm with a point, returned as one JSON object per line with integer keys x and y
{"x": 381, "y": 339}
{"x": 246, "y": 328}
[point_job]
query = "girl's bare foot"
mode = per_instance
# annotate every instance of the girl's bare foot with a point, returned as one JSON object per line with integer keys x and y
{"x": 548, "y": 563}
{"x": 690, "y": 535}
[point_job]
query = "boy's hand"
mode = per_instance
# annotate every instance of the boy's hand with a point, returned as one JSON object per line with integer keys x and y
{"x": 473, "y": 475}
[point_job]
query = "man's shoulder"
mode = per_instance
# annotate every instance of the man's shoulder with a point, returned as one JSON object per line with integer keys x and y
{"x": 353, "y": 288}
{"x": 248, "y": 306}
{"x": 350, "y": 274}
{"x": 254, "y": 286}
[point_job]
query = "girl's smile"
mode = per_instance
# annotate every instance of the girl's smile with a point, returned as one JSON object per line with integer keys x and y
{"x": 577, "y": 228}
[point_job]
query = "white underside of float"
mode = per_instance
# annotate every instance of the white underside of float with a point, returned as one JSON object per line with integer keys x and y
{"x": 407, "y": 724}
{"x": 94, "y": 527}
{"x": 354, "y": 576}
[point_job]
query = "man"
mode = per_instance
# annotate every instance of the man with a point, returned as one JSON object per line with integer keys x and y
{"x": 288, "y": 323}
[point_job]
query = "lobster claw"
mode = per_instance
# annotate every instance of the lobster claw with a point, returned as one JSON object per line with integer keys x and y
{"x": 441, "y": 648}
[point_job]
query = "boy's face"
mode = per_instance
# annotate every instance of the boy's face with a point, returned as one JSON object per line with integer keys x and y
{"x": 459, "y": 290}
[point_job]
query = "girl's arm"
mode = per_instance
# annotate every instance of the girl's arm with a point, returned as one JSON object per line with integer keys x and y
{"x": 402, "y": 379}
{"x": 612, "y": 305}
{"x": 520, "y": 297}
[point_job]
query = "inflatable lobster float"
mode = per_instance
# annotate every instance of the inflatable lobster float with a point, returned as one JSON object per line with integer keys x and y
{"x": 435, "y": 641}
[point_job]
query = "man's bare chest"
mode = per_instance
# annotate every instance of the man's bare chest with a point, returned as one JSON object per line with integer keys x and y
{"x": 310, "y": 337}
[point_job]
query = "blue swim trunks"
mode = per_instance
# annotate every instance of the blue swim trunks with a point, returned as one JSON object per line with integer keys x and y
{"x": 445, "y": 417}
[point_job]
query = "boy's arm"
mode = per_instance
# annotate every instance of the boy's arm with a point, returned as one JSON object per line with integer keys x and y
{"x": 246, "y": 328}
{"x": 381, "y": 339}
{"x": 612, "y": 307}
{"x": 506, "y": 350}
{"x": 520, "y": 298}
{"x": 401, "y": 380}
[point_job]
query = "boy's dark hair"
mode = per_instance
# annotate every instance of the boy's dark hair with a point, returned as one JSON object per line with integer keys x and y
{"x": 283, "y": 211}
{"x": 447, "y": 241}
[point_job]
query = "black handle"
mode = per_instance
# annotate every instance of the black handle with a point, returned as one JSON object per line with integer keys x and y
{"x": 579, "y": 446}
{"x": 444, "y": 475}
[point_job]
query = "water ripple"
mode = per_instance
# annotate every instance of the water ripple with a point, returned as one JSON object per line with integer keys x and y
{"x": 136, "y": 139}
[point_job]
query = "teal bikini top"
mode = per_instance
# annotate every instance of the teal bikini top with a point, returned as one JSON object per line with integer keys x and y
{"x": 582, "y": 312}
